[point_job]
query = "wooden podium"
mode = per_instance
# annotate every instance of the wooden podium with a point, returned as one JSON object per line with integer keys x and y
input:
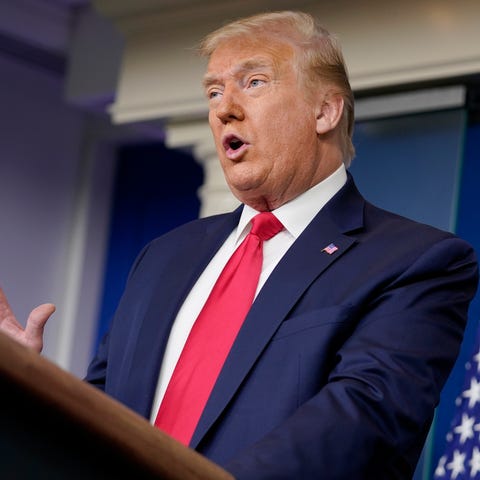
{"x": 55, "y": 426}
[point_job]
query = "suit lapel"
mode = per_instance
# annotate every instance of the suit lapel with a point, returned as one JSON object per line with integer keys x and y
{"x": 300, "y": 266}
{"x": 150, "y": 337}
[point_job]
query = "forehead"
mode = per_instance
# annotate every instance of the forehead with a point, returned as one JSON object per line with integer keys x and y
{"x": 238, "y": 54}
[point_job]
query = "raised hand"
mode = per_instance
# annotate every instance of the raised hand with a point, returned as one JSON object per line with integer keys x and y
{"x": 32, "y": 334}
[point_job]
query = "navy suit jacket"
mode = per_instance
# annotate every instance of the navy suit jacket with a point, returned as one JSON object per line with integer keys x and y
{"x": 339, "y": 364}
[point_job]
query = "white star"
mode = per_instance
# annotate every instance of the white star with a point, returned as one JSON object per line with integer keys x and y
{"x": 457, "y": 464}
{"x": 476, "y": 357}
{"x": 476, "y": 427}
{"x": 473, "y": 393}
{"x": 440, "y": 470}
{"x": 465, "y": 429}
{"x": 474, "y": 462}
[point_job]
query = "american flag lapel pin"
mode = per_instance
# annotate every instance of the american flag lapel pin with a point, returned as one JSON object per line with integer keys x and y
{"x": 332, "y": 248}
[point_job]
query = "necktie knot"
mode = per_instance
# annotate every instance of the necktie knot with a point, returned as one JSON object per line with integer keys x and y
{"x": 265, "y": 225}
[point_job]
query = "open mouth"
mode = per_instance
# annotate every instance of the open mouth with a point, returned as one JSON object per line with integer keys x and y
{"x": 235, "y": 144}
{"x": 232, "y": 143}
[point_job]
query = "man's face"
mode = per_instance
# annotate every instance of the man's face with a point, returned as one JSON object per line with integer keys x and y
{"x": 263, "y": 124}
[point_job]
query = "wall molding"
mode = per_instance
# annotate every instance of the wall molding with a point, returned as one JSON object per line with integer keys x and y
{"x": 385, "y": 43}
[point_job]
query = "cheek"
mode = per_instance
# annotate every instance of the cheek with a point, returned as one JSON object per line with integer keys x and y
{"x": 275, "y": 130}
{"x": 217, "y": 138}
{"x": 214, "y": 125}
{"x": 293, "y": 133}
{"x": 293, "y": 118}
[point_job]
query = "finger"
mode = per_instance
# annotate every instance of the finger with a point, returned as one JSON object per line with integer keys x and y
{"x": 6, "y": 314}
{"x": 35, "y": 325}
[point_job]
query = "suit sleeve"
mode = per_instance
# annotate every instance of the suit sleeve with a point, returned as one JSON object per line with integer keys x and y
{"x": 97, "y": 369}
{"x": 370, "y": 420}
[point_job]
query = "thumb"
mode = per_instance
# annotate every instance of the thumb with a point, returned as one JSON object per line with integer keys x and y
{"x": 35, "y": 325}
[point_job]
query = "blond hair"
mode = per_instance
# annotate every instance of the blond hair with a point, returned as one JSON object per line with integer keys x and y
{"x": 318, "y": 57}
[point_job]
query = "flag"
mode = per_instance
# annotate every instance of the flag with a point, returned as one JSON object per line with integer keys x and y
{"x": 332, "y": 248}
{"x": 461, "y": 459}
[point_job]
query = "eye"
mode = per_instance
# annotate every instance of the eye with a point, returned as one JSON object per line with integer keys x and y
{"x": 212, "y": 94}
{"x": 256, "y": 82}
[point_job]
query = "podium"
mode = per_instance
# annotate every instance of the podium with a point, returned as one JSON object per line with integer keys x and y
{"x": 55, "y": 426}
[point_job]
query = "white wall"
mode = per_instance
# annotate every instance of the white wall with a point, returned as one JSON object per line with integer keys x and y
{"x": 56, "y": 173}
{"x": 40, "y": 142}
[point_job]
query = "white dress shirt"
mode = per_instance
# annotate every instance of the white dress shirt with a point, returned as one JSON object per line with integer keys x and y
{"x": 294, "y": 215}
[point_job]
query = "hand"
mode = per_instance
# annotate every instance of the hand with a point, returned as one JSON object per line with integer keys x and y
{"x": 30, "y": 336}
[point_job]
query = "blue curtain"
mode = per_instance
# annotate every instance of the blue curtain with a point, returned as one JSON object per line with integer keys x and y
{"x": 155, "y": 191}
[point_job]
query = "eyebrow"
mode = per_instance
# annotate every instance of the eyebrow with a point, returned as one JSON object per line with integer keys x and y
{"x": 245, "y": 67}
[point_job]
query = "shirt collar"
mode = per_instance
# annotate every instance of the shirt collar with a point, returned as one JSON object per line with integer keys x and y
{"x": 296, "y": 214}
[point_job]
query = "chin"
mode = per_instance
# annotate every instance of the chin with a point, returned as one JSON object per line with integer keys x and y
{"x": 252, "y": 197}
{"x": 242, "y": 178}
{"x": 245, "y": 188}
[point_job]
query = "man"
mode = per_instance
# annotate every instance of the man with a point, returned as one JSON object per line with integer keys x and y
{"x": 358, "y": 313}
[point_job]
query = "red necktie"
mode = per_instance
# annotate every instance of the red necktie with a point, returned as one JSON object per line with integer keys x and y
{"x": 213, "y": 333}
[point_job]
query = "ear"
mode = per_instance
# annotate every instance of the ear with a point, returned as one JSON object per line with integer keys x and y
{"x": 329, "y": 112}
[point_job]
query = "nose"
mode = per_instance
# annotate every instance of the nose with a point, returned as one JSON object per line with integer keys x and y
{"x": 229, "y": 108}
